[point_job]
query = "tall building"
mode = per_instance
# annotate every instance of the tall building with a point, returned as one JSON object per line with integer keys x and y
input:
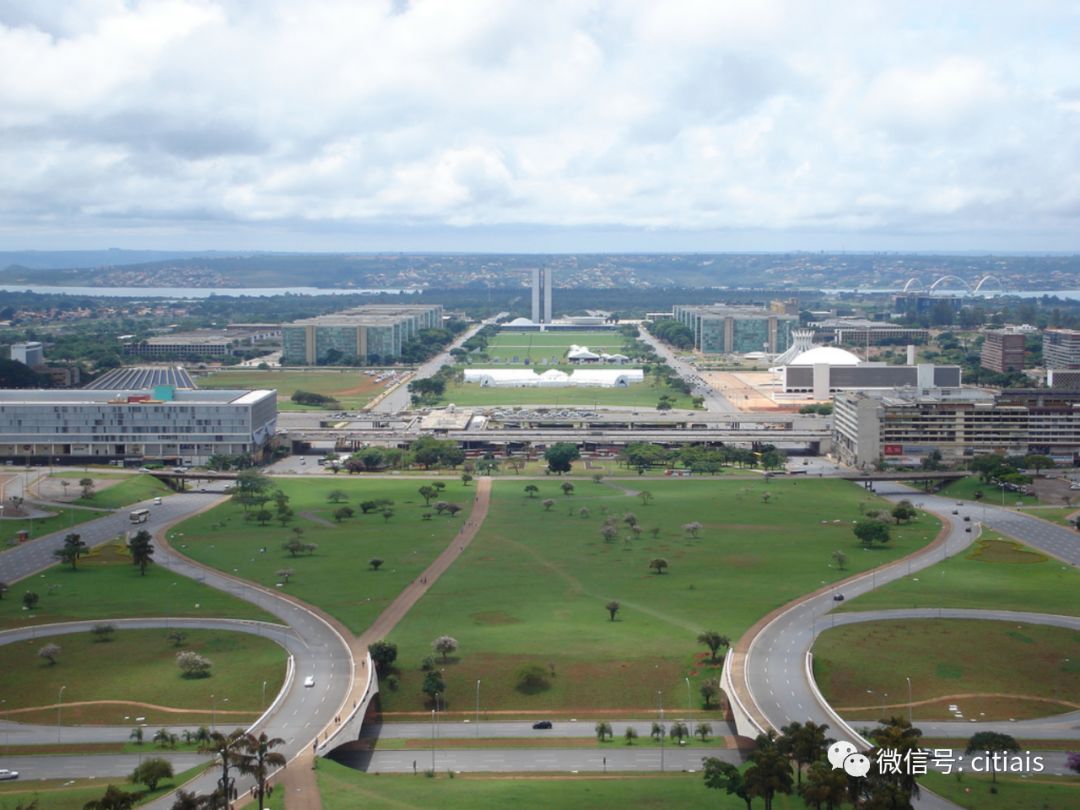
{"x": 1061, "y": 348}
{"x": 161, "y": 424}
{"x": 1003, "y": 351}
{"x": 366, "y": 334}
{"x": 541, "y": 295}
{"x": 726, "y": 329}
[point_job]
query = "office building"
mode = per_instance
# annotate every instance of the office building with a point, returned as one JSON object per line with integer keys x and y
{"x": 159, "y": 424}
{"x": 727, "y": 329}
{"x": 30, "y": 353}
{"x": 541, "y": 295}
{"x": 904, "y": 426}
{"x": 863, "y": 332}
{"x": 1061, "y": 348}
{"x": 369, "y": 334}
{"x": 1003, "y": 351}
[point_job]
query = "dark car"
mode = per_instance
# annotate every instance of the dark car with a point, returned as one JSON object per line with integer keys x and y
{"x": 838, "y": 597}
{"x": 542, "y": 724}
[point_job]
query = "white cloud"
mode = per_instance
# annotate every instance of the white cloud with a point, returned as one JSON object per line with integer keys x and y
{"x": 772, "y": 117}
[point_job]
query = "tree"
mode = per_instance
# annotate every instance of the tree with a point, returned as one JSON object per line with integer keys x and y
{"x": 87, "y": 485}
{"x": 296, "y": 546}
{"x": 630, "y": 734}
{"x": 547, "y": 503}
{"x": 769, "y": 772}
{"x": 871, "y": 531}
{"x": 444, "y": 646}
{"x": 343, "y": 513}
{"x": 284, "y": 574}
{"x": 136, "y": 735}
{"x": 141, "y": 549}
{"x": 561, "y": 456}
{"x": 895, "y": 734}
{"x": 1073, "y": 761}
{"x": 49, "y": 652}
{"x": 709, "y": 690}
{"x": 603, "y": 731}
{"x": 428, "y": 493}
{"x": 805, "y": 743}
{"x": 612, "y": 608}
{"x": 227, "y": 748}
{"x": 193, "y": 665}
{"x": 258, "y": 760}
{"x": 704, "y": 730}
{"x": 466, "y": 479}
{"x": 531, "y": 490}
{"x": 609, "y": 533}
{"x": 532, "y": 678}
{"x": 723, "y": 775}
{"x": 251, "y": 488}
{"x": 991, "y": 742}
{"x": 337, "y": 496}
{"x": 30, "y": 600}
{"x": 3, "y": 588}
{"x": 646, "y": 497}
{"x": 264, "y": 516}
{"x": 903, "y": 512}
{"x": 374, "y": 563}
{"x": 630, "y": 519}
{"x": 657, "y": 732}
{"x": 114, "y": 799}
{"x": 659, "y": 565}
{"x": 1037, "y": 462}
{"x": 840, "y": 558}
{"x": 824, "y": 785}
{"x": 433, "y": 684}
{"x": 383, "y": 653}
{"x": 177, "y": 637}
{"x": 163, "y": 739}
{"x": 679, "y": 731}
{"x": 284, "y": 515}
{"x": 387, "y": 514}
{"x": 72, "y": 549}
{"x": 714, "y": 641}
{"x": 103, "y": 631}
{"x": 583, "y": 513}
{"x": 567, "y": 488}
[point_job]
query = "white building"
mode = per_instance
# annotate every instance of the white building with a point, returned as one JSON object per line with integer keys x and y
{"x": 163, "y": 424}
{"x": 553, "y": 378}
{"x": 30, "y": 353}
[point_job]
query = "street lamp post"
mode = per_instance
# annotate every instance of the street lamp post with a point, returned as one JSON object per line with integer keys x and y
{"x": 59, "y": 711}
{"x": 477, "y": 707}
{"x": 689, "y": 710}
{"x": 432, "y": 741}
{"x": 660, "y": 701}
{"x": 910, "y": 707}
{"x": 264, "y": 695}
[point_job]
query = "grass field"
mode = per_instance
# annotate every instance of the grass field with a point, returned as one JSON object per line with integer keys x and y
{"x": 132, "y": 489}
{"x": 550, "y": 346}
{"x": 59, "y": 519}
{"x": 107, "y": 586}
{"x": 68, "y": 794}
{"x": 965, "y": 489}
{"x": 346, "y": 789}
{"x": 996, "y": 572}
{"x": 642, "y": 395}
{"x": 533, "y": 586}
{"x": 336, "y": 577}
{"x": 862, "y": 667}
{"x": 1012, "y": 792}
{"x": 351, "y": 388}
{"x": 140, "y": 666}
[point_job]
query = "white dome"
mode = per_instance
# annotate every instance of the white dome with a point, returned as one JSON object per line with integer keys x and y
{"x": 828, "y": 355}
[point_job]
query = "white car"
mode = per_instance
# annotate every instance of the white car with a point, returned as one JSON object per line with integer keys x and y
{"x": 309, "y": 680}
{"x": 5, "y": 774}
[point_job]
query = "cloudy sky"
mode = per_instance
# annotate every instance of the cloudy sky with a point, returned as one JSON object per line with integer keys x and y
{"x": 540, "y": 125}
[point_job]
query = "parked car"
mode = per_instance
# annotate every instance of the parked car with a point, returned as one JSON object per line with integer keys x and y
{"x": 543, "y": 724}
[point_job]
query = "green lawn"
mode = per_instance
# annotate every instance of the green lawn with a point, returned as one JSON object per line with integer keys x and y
{"x": 140, "y": 666}
{"x": 533, "y": 586}
{"x": 132, "y": 489}
{"x": 642, "y": 395}
{"x": 336, "y": 577}
{"x": 59, "y": 519}
{"x": 107, "y": 586}
{"x": 1012, "y": 792}
{"x": 862, "y": 667}
{"x": 343, "y": 788}
{"x": 965, "y": 489}
{"x": 353, "y": 389}
{"x": 996, "y": 572}
{"x": 552, "y": 346}
{"x": 64, "y": 794}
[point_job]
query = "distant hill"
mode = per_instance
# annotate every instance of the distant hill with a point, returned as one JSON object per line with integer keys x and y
{"x": 72, "y": 259}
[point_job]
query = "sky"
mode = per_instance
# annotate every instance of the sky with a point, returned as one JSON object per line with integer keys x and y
{"x": 503, "y": 125}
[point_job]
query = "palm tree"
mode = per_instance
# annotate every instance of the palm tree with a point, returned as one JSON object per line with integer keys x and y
{"x": 603, "y": 730}
{"x": 714, "y": 641}
{"x": 824, "y": 785}
{"x": 227, "y": 746}
{"x": 72, "y": 549}
{"x": 259, "y": 761}
{"x": 142, "y": 550}
{"x": 769, "y": 774}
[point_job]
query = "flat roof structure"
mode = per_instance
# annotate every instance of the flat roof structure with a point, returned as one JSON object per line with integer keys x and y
{"x": 142, "y": 377}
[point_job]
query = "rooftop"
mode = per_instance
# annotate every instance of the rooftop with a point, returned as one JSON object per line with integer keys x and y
{"x": 98, "y": 397}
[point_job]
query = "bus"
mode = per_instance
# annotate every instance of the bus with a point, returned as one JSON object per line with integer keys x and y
{"x": 139, "y": 516}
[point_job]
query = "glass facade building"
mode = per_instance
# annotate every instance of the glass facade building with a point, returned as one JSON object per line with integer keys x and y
{"x": 367, "y": 334}
{"x": 724, "y": 329}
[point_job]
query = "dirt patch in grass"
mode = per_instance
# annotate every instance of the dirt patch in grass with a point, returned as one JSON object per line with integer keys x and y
{"x": 1004, "y": 551}
{"x": 494, "y": 617}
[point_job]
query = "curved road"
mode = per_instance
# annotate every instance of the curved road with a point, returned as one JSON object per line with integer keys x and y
{"x": 777, "y": 676}
{"x": 321, "y": 652}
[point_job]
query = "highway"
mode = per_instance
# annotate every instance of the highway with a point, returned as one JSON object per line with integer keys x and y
{"x": 714, "y": 400}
